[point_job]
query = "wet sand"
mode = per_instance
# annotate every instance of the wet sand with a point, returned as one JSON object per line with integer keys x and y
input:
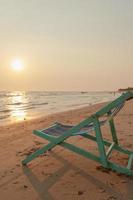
{"x": 60, "y": 173}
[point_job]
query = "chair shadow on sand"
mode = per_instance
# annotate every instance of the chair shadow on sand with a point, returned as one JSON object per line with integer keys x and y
{"x": 42, "y": 188}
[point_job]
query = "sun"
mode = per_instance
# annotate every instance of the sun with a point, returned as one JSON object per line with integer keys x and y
{"x": 17, "y": 64}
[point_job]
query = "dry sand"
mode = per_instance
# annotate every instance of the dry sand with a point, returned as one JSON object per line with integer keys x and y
{"x": 61, "y": 174}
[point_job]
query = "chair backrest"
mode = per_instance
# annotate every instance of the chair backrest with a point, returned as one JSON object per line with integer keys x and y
{"x": 115, "y": 106}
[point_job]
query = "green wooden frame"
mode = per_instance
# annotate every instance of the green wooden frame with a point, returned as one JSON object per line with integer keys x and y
{"x": 103, "y": 157}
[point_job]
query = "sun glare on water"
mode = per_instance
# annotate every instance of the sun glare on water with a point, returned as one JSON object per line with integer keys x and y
{"x": 17, "y": 64}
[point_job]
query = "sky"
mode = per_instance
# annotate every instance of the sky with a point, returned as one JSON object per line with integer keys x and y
{"x": 66, "y": 45}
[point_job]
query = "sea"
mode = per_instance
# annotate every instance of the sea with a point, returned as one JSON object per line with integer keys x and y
{"x": 23, "y": 105}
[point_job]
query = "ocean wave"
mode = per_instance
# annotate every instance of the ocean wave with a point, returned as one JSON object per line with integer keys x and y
{"x": 2, "y": 95}
{"x": 17, "y": 103}
{"x": 32, "y": 102}
{"x": 5, "y": 111}
{"x": 4, "y": 117}
{"x": 39, "y": 104}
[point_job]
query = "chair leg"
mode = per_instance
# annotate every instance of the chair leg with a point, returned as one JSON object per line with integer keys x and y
{"x": 100, "y": 142}
{"x": 113, "y": 130}
{"x": 38, "y": 153}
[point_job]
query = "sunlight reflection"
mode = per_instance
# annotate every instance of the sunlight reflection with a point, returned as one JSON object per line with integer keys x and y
{"x": 17, "y": 105}
{"x": 19, "y": 115}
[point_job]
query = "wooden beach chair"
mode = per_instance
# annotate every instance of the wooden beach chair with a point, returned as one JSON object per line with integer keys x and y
{"x": 58, "y": 133}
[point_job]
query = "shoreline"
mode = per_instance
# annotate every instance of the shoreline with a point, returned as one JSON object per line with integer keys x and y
{"x": 61, "y": 174}
{"x": 18, "y": 106}
{"x": 41, "y": 117}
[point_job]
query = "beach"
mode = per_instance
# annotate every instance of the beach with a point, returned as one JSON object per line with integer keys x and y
{"x": 60, "y": 173}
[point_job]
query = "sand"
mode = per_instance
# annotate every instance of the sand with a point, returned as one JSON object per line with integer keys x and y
{"x": 61, "y": 174}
